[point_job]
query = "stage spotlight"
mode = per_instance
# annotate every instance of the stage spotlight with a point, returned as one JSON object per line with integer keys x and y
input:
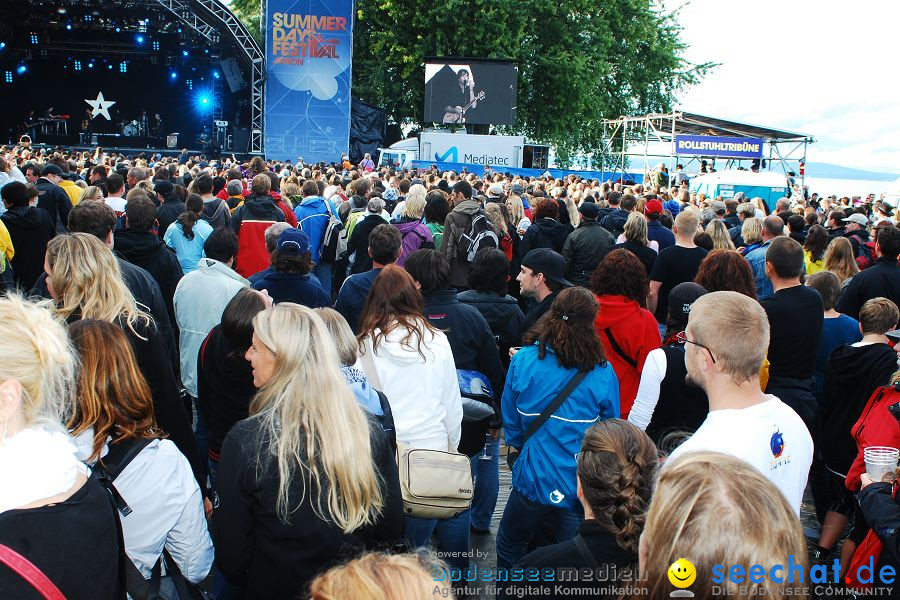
{"x": 34, "y": 39}
{"x": 21, "y": 70}
{"x": 139, "y": 39}
{"x": 7, "y": 77}
{"x": 2, "y": 45}
{"x": 216, "y": 74}
{"x": 184, "y": 52}
{"x": 90, "y": 65}
{"x": 77, "y": 65}
{"x": 173, "y": 75}
{"x": 123, "y": 67}
{"x": 68, "y": 26}
{"x": 204, "y": 100}
{"x": 155, "y": 45}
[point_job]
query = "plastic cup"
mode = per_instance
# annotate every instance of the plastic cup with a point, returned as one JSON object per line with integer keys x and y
{"x": 881, "y": 462}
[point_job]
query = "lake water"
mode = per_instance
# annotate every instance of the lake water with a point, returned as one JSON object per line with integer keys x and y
{"x": 847, "y": 187}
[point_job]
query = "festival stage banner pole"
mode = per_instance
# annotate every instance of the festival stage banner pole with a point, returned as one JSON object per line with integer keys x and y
{"x": 309, "y": 49}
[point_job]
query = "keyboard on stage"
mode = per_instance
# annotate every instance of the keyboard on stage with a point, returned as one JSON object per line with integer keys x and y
{"x": 60, "y": 121}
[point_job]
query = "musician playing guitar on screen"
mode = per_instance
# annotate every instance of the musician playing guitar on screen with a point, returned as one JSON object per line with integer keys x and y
{"x": 463, "y": 99}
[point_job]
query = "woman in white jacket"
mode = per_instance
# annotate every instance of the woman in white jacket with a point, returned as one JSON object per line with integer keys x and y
{"x": 113, "y": 408}
{"x": 415, "y": 367}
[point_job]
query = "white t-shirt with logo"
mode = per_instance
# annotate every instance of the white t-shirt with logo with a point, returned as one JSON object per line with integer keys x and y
{"x": 769, "y": 435}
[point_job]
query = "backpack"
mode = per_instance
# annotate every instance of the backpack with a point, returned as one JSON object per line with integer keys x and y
{"x": 411, "y": 241}
{"x": 865, "y": 253}
{"x": 334, "y": 242}
{"x": 478, "y": 234}
{"x": 171, "y": 586}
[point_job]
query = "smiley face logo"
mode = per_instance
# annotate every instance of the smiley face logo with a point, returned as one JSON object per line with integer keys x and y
{"x": 682, "y": 573}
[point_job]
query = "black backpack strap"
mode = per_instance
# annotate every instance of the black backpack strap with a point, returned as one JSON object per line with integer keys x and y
{"x": 553, "y": 406}
{"x": 618, "y": 349}
{"x": 585, "y": 552}
{"x": 120, "y": 454}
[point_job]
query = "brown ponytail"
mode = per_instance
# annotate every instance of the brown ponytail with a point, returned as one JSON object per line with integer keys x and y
{"x": 616, "y": 469}
{"x": 190, "y": 216}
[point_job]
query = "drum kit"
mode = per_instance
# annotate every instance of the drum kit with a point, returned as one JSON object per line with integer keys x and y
{"x": 132, "y": 128}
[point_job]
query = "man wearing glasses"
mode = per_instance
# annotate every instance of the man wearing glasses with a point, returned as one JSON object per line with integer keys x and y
{"x": 726, "y": 341}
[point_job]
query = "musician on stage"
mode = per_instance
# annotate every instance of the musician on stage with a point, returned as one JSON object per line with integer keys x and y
{"x": 156, "y": 128}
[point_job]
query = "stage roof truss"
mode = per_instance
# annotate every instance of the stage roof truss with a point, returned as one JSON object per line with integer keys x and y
{"x": 628, "y": 138}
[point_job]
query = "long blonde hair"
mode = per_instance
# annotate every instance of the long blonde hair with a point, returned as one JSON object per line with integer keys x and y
{"x": 516, "y": 209}
{"x": 376, "y": 576}
{"x": 719, "y": 234}
{"x": 86, "y": 281}
{"x": 313, "y": 422}
{"x": 711, "y": 508}
{"x": 35, "y": 351}
{"x": 839, "y": 259}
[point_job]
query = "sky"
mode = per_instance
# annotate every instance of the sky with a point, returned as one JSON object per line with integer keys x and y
{"x": 824, "y": 68}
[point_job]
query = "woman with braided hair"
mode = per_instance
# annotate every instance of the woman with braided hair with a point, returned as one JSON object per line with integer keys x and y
{"x": 558, "y": 385}
{"x": 616, "y": 467}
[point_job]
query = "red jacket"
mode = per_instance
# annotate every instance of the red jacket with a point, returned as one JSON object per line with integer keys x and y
{"x": 876, "y": 427}
{"x": 635, "y": 334}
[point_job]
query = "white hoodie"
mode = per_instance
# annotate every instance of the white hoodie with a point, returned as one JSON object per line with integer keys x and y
{"x": 423, "y": 393}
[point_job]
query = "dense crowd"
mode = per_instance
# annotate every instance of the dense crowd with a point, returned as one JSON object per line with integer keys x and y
{"x": 268, "y": 380}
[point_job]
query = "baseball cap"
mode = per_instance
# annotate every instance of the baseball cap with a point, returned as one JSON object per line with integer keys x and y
{"x": 680, "y": 299}
{"x": 548, "y": 262}
{"x": 589, "y": 209}
{"x": 856, "y": 218}
{"x": 496, "y": 189}
{"x": 293, "y": 242}
{"x": 653, "y": 206}
{"x": 718, "y": 207}
{"x": 51, "y": 170}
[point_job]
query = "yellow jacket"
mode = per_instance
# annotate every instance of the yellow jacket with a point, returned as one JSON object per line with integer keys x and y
{"x": 6, "y": 247}
{"x": 72, "y": 190}
{"x": 813, "y": 266}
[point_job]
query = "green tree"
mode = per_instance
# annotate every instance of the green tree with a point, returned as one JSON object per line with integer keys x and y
{"x": 580, "y": 61}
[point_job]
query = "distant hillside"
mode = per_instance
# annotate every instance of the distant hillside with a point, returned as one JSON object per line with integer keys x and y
{"x": 830, "y": 171}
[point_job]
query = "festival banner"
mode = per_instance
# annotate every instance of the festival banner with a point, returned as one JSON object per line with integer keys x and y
{"x": 715, "y": 146}
{"x": 309, "y": 46}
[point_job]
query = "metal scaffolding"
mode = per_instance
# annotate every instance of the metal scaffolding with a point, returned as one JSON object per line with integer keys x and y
{"x": 212, "y": 20}
{"x": 647, "y": 137}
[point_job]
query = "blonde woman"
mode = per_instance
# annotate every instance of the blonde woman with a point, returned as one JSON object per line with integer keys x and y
{"x": 50, "y": 512}
{"x": 85, "y": 282}
{"x": 840, "y": 260}
{"x": 414, "y": 234}
{"x": 92, "y": 193}
{"x": 751, "y": 233}
{"x": 517, "y": 214}
{"x": 383, "y": 577}
{"x": 711, "y": 509}
{"x": 415, "y": 191}
{"x": 762, "y": 211}
{"x": 308, "y": 477}
{"x": 719, "y": 234}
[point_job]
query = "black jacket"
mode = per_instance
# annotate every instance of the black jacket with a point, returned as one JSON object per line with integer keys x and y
{"x": 474, "y": 349}
{"x": 855, "y": 237}
{"x": 881, "y": 279}
{"x": 145, "y": 250}
{"x": 851, "y": 375}
{"x": 601, "y": 544}
{"x": 224, "y": 386}
{"x": 216, "y": 213}
{"x": 584, "y": 249}
{"x": 277, "y": 560}
{"x": 882, "y": 514}
{"x": 256, "y": 208}
{"x": 55, "y": 201}
{"x": 732, "y": 220}
{"x": 30, "y": 229}
{"x": 614, "y": 222}
{"x": 546, "y": 233}
{"x": 167, "y": 213}
{"x": 359, "y": 243}
{"x": 352, "y": 296}
{"x": 503, "y": 315}
{"x": 646, "y": 254}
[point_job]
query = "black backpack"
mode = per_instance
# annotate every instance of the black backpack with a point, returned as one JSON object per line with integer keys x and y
{"x": 478, "y": 234}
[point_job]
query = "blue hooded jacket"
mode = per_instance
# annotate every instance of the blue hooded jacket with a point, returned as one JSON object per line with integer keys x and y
{"x": 313, "y": 217}
{"x": 545, "y": 470}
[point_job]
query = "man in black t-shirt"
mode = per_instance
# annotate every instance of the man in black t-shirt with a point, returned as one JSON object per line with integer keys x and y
{"x": 675, "y": 264}
{"x": 795, "y": 320}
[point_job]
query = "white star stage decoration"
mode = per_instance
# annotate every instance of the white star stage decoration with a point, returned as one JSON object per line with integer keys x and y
{"x": 100, "y": 106}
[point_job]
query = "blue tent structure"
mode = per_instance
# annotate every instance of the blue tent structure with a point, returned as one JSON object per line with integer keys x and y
{"x": 768, "y": 185}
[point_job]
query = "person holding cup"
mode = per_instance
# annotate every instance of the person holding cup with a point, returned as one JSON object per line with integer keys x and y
{"x": 881, "y": 512}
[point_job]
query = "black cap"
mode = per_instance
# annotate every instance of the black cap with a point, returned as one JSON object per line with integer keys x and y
{"x": 548, "y": 262}
{"x": 680, "y": 299}
{"x": 589, "y": 209}
{"x": 51, "y": 170}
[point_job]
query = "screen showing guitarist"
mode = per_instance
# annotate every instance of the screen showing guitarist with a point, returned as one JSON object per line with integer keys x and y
{"x": 461, "y": 98}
